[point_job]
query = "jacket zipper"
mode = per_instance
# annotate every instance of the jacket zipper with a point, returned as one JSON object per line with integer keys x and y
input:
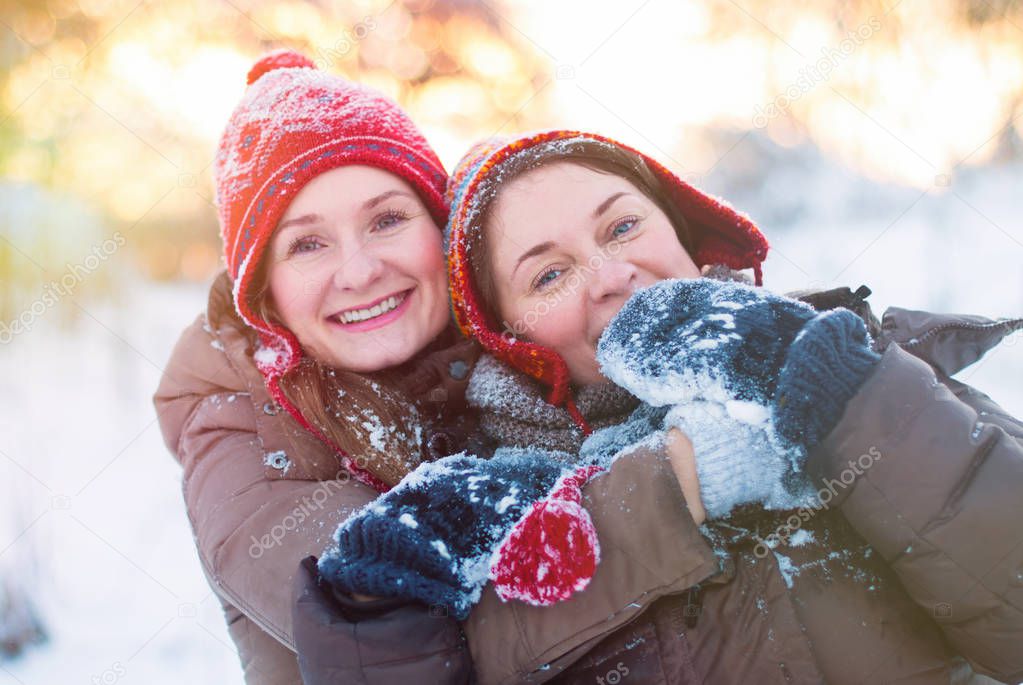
{"x": 1014, "y": 324}
{"x": 693, "y": 606}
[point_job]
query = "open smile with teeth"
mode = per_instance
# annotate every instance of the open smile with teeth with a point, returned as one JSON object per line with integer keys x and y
{"x": 380, "y": 308}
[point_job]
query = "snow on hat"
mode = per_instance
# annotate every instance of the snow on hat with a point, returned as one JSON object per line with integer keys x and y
{"x": 718, "y": 235}
{"x": 293, "y": 123}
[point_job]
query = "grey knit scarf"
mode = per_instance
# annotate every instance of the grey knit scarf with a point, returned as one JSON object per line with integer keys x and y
{"x": 514, "y": 413}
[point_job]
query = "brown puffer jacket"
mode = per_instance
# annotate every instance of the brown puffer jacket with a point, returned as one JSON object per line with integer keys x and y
{"x": 262, "y": 494}
{"x": 912, "y": 573}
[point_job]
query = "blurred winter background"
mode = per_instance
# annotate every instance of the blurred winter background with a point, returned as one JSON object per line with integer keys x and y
{"x": 876, "y": 142}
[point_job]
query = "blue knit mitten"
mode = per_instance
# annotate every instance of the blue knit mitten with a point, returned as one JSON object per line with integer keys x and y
{"x": 728, "y": 342}
{"x": 451, "y": 525}
{"x": 826, "y": 364}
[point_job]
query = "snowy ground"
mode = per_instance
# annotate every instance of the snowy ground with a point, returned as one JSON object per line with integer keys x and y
{"x": 116, "y": 573}
{"x": 100, "y": 532}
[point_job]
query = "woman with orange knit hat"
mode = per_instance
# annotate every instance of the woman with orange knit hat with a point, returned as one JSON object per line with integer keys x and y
{"x": 575, "y": 259}
{"x": 590, "y": 255}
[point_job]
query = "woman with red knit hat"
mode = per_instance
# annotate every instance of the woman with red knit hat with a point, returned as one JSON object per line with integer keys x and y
{"x": 575, "y": 259}
{"x": 325, "y": 369}
{"x": 325, "y": 366}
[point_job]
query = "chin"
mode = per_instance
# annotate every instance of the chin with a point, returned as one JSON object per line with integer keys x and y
{"x": 375, "y": 364}
{"x": 392, "y": 348}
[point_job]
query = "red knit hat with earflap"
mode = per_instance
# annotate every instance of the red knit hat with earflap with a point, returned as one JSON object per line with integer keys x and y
{"x": 718, "y": 234}
{"x": 293, "y": 123}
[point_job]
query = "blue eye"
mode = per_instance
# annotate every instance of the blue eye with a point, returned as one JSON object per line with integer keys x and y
{"x": 303, "y": 244}
{"x": 390, "y": 219}
{"x": 624, "y": 226}
{"x": 545, "y": 278}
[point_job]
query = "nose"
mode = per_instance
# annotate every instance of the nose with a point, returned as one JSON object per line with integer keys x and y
{"x": 613, "y": 280}
{"x": 360, "y": 270}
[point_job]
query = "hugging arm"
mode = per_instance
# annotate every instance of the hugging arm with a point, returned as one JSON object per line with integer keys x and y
{"x": 929, "y": 481}
{"x": 930, "y": 472}
{"x": 252, "y": 529}
{"x": 650, "y": 547}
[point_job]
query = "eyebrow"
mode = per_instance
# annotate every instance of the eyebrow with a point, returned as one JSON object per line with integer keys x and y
{"x": 374, "y": 201}
{"x": 602, "y": 207}
{"x": 303, "y": 220}
{"x": 539, "y": 248}
{"x": 307, "y": 219}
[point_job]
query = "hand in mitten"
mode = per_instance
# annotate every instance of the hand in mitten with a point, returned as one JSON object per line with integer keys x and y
{"x": 736, "y": 462}
{"x": 451, "y": 525}
{"x": 683, "y": 462}
{"x": 741, "y": 346}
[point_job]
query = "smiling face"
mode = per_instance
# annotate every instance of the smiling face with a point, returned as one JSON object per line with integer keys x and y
{"x": 356, "y": 270}
{"x": 567, "y": 246}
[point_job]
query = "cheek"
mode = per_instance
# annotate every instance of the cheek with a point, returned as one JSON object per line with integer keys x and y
{"x": 426, "y": 260}
{"x": 683, "y": 266}
{"x": 433, "y": 267}
{"x": 286, "y": 291}
{"x": 423, "y": 260}
{"x": 559, "y": 326}
{"x": 662, "y": 254}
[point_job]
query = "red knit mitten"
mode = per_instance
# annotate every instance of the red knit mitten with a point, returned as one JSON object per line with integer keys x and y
{"x": 552, "y": 551}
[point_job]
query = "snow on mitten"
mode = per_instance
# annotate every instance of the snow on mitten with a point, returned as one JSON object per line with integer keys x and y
{"x": 826, "y": 364}
{"x": 436, "y": 535}
{"x": 734, "y": 344}
{"x": 552, "y": 551}
{"x": 686, "y": 338}
{"x": 738, "y": 463}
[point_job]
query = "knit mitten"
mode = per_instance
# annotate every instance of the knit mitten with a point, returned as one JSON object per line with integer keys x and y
{"x": 686, "y": 339}
{"x": 736, "y": 461}
{"x": 453, "y": 524}
{"x": 825, "y": 366}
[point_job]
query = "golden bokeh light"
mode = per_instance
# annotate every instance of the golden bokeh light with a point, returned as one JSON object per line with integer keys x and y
{"x": 116, "y": 102}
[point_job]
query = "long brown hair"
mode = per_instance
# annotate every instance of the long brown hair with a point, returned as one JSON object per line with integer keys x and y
{"x": 594, "y": 155}
{"x": 367, "y": 416}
